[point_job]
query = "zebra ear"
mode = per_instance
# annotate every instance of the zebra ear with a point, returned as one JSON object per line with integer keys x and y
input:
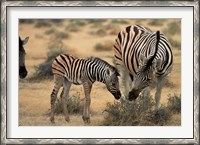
{"x": 25, "y": 40}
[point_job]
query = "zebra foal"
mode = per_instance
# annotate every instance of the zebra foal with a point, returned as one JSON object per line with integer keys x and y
{"x": 144, "y": 56}
{"x": 69, "y": 70}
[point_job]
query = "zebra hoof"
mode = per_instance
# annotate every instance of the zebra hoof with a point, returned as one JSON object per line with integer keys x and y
{"x": 86, "y": 119}
{"x": 52, "y": 120}
{"x": 67, "y": 119}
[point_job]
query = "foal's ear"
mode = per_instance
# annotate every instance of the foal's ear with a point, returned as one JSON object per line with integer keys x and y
{"x": 25, "y": 40}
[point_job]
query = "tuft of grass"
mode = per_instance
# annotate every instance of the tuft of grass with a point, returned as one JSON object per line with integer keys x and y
{"x": 42, "y": 23}
{"x": 173, "y": 28}
{"x": 119, "y": 21}
{"x": 155, "y": 22}
{"x": 175, "y": 43}
{"x": 159, "y": 117}
{"x": 50, "y": 31}
{"x": 127, "y": 112}
{"x": 75, "y": 25}
{"x": 43, "y": 71}
{"x": 174, "y": 103}
{"x": 96, "y": 23}
{"x": 74, "y": 104}
{"x": 106, "y": 46}
{"x": 26, "y": 21}
{"x": 140, "y": 112}
{"x": 99, "y": 32}
{"x": 62, "y": 35}
{"x": 113, "y": 28}
{"x": 55, "y": 49}
{"x": 57, "y": 21}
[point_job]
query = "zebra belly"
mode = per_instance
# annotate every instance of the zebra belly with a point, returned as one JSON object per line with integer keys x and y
{"x": 74, "y": 81}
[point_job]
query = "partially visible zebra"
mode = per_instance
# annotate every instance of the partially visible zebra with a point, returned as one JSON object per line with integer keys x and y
{"x": 22, "y": 68}
{"x": 68, "y": 69}
{"x": 145, "y": 56}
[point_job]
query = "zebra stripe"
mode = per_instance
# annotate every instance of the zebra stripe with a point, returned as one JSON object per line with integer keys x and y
{"x": 135, "y": 42}
{"x": 68, "y": 69}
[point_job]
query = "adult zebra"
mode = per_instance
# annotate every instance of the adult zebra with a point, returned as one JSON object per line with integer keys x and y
{"x": 68, "y": 70}
{"x": 22, "y": 68}
{"x": 145, "y": 56}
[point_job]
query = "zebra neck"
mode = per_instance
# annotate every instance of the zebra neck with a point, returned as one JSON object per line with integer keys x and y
{"x": 98, "y": 73}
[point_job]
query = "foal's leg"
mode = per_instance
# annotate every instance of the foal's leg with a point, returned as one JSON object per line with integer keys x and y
{"x": 64, "y": 96}
{"x": 58, "y": 81}
{"x": 160, "y": 81}
{"x": 86, "y": 111}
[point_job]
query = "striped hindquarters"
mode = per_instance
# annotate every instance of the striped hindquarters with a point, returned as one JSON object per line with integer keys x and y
{"x": 134, "y": 41}
{"x": 69, "y": 67}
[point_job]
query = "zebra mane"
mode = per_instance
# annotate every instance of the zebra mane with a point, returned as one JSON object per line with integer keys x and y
{"x": 106, "y": 63}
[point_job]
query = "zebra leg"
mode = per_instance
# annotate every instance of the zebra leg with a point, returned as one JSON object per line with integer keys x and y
{"x": 64, "y": 96}
{"x": 58, "y": 81}
{"x": 126, "y": 83}
{"x": 86, "y": 111}
{"x": 158, "y": 91}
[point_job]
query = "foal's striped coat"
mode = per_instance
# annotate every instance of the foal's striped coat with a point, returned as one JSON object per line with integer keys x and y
{"x": 68, "y": 69}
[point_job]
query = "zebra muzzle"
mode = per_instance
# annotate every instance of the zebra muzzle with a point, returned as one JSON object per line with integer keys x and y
{"x": 133, "y": 95}
{"x": 22, "y": 72}
{"x": 117, "y": 95}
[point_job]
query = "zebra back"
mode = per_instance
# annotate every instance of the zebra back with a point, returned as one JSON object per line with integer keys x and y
{"x": 135, "y": 41}
{"x": 80, "y": 70}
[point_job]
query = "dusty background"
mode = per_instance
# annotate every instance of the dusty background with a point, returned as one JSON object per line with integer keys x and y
{"x": 83, "y": 38}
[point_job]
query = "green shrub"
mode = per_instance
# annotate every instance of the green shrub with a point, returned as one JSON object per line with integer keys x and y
{"x": 159, "y": 117}
{"x": 43, "y": 71}
{"x": 74, "y": 105}
{"x": 127, "y": 112}
{"x": 140, "y": 112}
{"x": 174, "y": 103}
